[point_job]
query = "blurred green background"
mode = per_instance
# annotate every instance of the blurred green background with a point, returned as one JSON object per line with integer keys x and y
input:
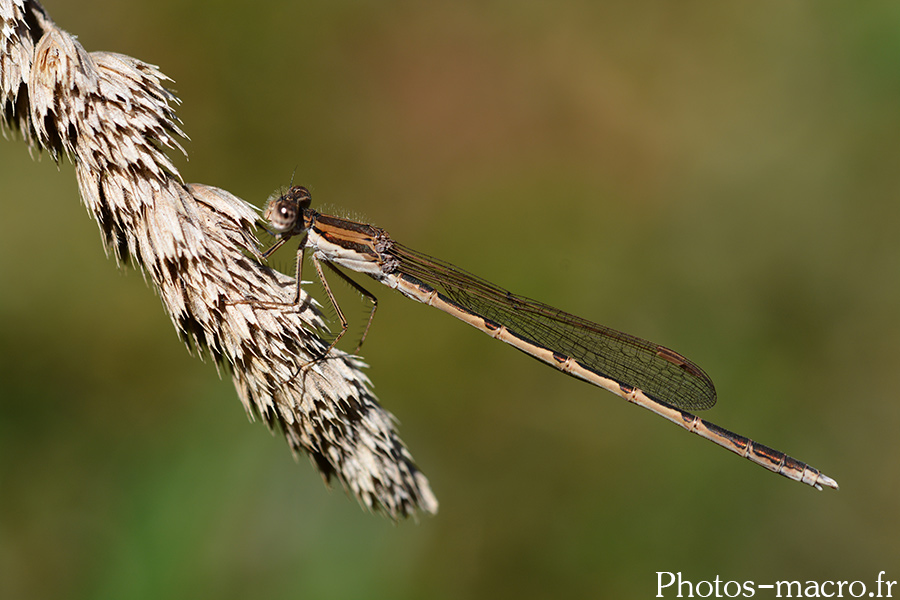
{"x": 718, "y": 177}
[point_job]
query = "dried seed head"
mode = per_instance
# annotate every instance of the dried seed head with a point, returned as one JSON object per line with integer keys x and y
{"x": 112, "y": 114}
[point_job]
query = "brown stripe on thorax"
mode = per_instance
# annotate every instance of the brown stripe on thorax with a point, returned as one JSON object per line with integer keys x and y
{"x": 351, "y": 235}
{"x": 347, "y": 225}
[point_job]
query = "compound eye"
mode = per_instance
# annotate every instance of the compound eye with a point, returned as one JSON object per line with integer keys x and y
{"x": 282, "y": 214}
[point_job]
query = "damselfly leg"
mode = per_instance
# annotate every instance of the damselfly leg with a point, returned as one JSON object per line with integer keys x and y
{"x": 288, "y": 224}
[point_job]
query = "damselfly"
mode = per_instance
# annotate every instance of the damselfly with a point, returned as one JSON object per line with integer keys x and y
{"x": 641, "y": 372}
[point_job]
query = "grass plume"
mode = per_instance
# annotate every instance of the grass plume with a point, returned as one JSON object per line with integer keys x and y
{"x": 112, "y": 115}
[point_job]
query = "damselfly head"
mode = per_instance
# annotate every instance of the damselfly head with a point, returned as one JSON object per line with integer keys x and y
{"x": 285, "y": 212}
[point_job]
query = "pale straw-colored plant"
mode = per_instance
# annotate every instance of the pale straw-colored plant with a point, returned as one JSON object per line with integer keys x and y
{"x": 112, "y": 115}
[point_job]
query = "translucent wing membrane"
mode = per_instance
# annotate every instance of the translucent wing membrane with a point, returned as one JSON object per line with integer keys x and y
{"x": 662, "y": 374}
